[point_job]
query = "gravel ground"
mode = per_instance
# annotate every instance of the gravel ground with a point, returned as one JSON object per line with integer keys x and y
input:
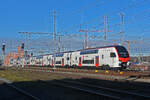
{"x": 138, "y": 77}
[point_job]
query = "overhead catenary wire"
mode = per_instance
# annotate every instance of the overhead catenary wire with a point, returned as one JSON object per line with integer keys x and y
{"x": 120, "y": 10}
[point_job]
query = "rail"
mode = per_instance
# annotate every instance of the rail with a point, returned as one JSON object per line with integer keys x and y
{"x": 101, "y": 91}
{"x": 9, "y": 84}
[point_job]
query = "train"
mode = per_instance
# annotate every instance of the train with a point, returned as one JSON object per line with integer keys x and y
{"x": 106, "y": 57}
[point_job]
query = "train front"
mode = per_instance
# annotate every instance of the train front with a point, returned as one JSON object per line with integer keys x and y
{"x": 124, "y": 57}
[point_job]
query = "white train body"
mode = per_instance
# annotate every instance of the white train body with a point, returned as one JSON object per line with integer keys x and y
{"x": 99, "y": 57}
{"x": 33, "y": 60}
{"x": 46, "y": 61}
{"x": 108, "y": 56}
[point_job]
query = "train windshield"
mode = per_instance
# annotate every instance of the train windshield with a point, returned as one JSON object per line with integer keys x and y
{"x": 122, "y": 52}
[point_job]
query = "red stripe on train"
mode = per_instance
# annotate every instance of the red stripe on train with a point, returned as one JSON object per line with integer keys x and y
{"x": 97, "y": 61}
{"x": 80, "y": 64}
{"x": 52, "y": 63}
{"x": 124, "y": 59}
{"x": 63, "y": 62}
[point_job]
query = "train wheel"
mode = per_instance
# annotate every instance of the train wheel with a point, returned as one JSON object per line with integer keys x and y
{"x": 105, "y": 67}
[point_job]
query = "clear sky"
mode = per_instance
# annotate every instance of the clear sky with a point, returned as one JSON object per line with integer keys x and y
{"x": 37, "y": 16}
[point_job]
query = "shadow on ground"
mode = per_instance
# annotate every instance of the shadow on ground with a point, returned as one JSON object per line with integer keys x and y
{"x": 45, "y": 90}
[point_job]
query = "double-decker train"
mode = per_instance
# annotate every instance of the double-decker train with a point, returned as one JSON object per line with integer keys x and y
{"x": 106, "y": 57}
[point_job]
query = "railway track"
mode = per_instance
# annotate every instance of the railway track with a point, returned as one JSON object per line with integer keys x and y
{"x": 127, "y": 74}
{"x": 108, "y": 93}
{"x": 123, "y": 72}
{"x": 110, "y": 75}
{"x": 142, "y": 88}
{"x": 133, "y": 85}
{"x": 19, "y": 94}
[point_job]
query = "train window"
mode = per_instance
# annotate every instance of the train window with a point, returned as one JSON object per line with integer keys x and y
{"x": 112, "y": 54}
{"x": 59, "y": 55}
{"x": 102, "y": 56}
{"x": 88, "y": 61}
{"x": 67, "y": 58}
{"x": 58, "y": 62}
{"x": 122, "y": 52}
{"x": 76, "y": 58}
{"x": 88, "y": 52}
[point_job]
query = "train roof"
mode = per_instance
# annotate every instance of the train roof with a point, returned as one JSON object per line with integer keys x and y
{"x": 56, "y": 53}
{"x": 84, "y": 49}
{"x": 101, "y": 47}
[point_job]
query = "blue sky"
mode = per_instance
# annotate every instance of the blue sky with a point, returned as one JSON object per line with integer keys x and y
{"x": 37, "y": 16}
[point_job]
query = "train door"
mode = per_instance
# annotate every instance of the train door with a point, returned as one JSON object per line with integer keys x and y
{"x": 112, "y": 59}
{"x": 70, "y": 59}
{"x": 97, "y": 61}
{"x": 80, "y": 63}
{"x": 49, "y": 61}
{"x": 52, "y": 62}
{"x": 62, "y": 62}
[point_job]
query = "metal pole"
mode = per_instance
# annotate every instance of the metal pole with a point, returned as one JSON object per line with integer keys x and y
{"x": 86, "y": 42}
{"x": 122, "y": 27}
{"x": 26, "y": 41}
{"x": 63, "y": 46}
{"x": 54, "y": 38}
{"x": 129, "y": 47}
{"x": 105, "y": 27}
{"x": 59, "y": 43}
{"x": 3, "y": 53}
